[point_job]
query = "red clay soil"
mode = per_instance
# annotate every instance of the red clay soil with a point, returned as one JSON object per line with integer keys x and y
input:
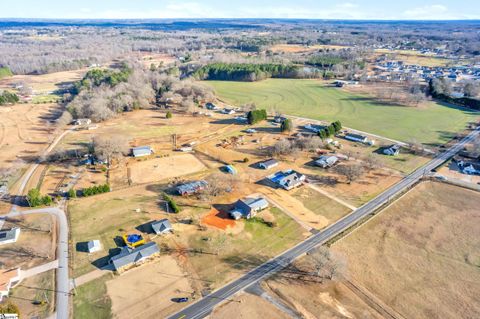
{"x": 218, "y": 219}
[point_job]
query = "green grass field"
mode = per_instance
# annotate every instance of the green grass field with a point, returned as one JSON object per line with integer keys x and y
{"x": 433, "y": 123}
{"x": 92, "y": 300}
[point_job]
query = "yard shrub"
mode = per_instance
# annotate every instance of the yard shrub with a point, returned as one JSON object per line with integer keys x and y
{"x": 168, "y": 115}
{"x": 287, "y": 125}
{"x": 171, "y": 203}
{"x": 256, "y": 116}
{"x": 72, "y": 193}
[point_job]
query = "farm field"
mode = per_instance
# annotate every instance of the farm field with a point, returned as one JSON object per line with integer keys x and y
{"x": 427, "y": 228}
{"x": 431, "y": 123}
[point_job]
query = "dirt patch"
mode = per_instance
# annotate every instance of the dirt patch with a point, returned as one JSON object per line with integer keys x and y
{"x": 146, "y": 291}
{"x": 416, "y": 255}
{"x": 220, "y": 220}
{"x": 249, "y": 307}
{"x": 163, "y": 168}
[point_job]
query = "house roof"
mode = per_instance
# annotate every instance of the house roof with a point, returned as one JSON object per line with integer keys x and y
{"x": 357, "y": 136}
{"x": 191, "y": 187}
{"x": 270, "y": 162}
{"x": 161, "y": 226}
{"x": 254, "y": 203}
{"x": 129, "y": 256}
{"x": 9, "y": 234}
{"x": 141, "y": 150}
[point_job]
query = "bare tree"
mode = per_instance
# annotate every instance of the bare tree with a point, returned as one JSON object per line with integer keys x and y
{"x": 372, "y": 162}
{"x": 283, "y": 147}
{"x": 219, "y": 184}
{"x": 110, "y": 147}
{"x": 327, "y": 264}
{"x": 350, "y": 172}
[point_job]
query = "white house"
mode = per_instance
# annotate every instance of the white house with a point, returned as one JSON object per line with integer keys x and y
{"x": 268, "y": 164}
{"x": 9, "y": 236}
{"x": 393, "y": 150}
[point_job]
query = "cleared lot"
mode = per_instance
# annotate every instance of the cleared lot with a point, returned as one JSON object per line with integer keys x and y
{"x": 421, "y": 255}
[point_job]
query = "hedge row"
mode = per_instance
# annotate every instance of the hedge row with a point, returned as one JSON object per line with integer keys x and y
{"x": 94, "y": 190}
{"x": 330, "y": 130}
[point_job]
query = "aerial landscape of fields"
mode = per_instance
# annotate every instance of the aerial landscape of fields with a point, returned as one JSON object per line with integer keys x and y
{"x": 239, "y": 160}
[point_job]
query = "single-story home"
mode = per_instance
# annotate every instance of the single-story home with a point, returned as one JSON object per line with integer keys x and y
{"x": 142, "y": 151}
{"x": 268, "y": 164}
{"x": 9, "y": 236}
{"x": 94, "y": 246}
{"x": 162, "y": 226}
{"x": 228, "y": 111}
{"x": 279, "y": 119}
{"x": 132, "y": 256}
{"x": 8, "y": 279}
{"x": 326, "y": 161}
{"x": 468, "y": 168}
{"x": 313, "y": 127}
{"x": 356, "y": 138}
{"x": 287, "y": 179}
{"x": 392, "y": 150}
{"x": 248, "y": 207}
{"x": 210, "y": 106}
{"x": 191, "y": 188}
{"x": 82, "y": 122}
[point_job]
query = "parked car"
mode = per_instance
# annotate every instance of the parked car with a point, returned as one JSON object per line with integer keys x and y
{"x": 180, "y": 300}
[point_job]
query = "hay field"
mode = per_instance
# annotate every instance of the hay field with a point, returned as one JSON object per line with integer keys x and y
{"x": 421, "y": 255}
{"x": 432, "y": 123}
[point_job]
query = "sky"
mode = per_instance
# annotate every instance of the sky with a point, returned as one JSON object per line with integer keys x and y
{"x": 305, "y": 9}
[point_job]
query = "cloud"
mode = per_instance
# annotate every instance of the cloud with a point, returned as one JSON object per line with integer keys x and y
{"x": 435, "y": 11}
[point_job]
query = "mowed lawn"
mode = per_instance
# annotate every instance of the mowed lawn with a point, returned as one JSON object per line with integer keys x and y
{"x": 432, "y": 123}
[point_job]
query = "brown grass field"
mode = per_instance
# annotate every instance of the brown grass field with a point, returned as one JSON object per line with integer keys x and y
{"x": 294, "y": 48}
{"x": 157, "y": 169}
{"x": 421, "y": 255}
{"x": 146, "y": 291}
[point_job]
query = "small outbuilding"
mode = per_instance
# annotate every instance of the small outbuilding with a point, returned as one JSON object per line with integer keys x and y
{"x": 142, "y": 151}
{"x": 93, "y": 246}
{"x": 230, "y": 169}
{"x": 162, "y": 226}
{"x": 268, "y": 164}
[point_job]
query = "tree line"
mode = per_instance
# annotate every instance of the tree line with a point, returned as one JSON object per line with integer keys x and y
{"x": 8, "y": 98}
{"x": 245, "y": 71}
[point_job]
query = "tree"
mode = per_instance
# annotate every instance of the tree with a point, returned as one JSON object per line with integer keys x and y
{"x": 72, "y": 193}
{"x": 9, "y": 307}
{"x": 110, "y": 147}
{"x": 372, "y": 162}
{"x": 168, "y": 115}
{"x": 471, "y": 89}
{"x": 283, "y": 147}
{"x": 219, "y": 184}
{"x": 440, "y": 86}
{"x": 255, "y": 116}
{"x": 327, "y": 264}
{"x": 34, "y": 198}
{"x": 286, "y": 126}
{"x": 337, "y": 125}
{"x": 350, "y": 172}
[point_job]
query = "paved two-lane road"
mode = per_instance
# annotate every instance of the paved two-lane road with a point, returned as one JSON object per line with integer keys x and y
{"x": 205, "y": 305}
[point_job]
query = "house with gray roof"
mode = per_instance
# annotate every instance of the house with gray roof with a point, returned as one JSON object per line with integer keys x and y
{"x": 162, "y": 226}
{"x": 132, "y": 256}
{"x": 326, "y": 161}
{"x": 248, "y": 207}
{"x": 287, "y": 179}
{"x": 142, "y": 151}
{"x": 268, "y": 164}
{"x": 356, "y": 137}
{"x": 9, "y": 236}
{"x": 191, "y": 188}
